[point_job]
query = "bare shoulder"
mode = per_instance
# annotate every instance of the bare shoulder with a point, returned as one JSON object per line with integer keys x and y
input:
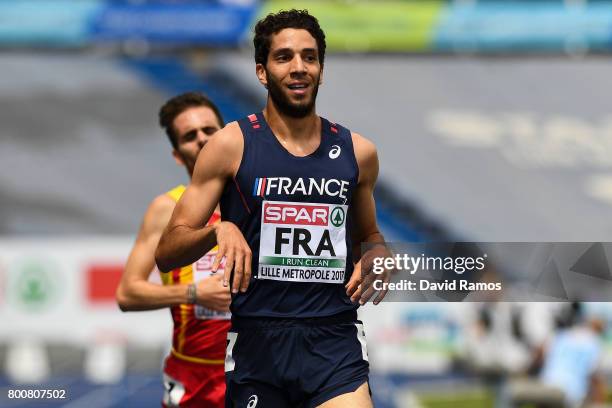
{"x": 223, "y": 153}
{"x": 158, "y": 214}
{"x": 366, "y": 155}
{"x": 229, "y": 138}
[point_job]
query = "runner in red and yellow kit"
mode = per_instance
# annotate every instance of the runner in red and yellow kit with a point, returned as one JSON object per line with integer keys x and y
{"x": 192, "y": 371}
{"x": 199, "y": 304}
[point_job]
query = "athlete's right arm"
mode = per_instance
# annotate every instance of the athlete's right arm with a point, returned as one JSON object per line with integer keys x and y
{"x": 135, "y": 292}
{"x": 186, "y": 237}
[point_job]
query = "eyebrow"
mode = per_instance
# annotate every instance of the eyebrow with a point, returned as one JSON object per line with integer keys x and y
{"x": 286, "y": 49}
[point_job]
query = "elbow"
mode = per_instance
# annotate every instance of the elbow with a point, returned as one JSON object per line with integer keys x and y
{"x": 162, "y": 261}
{"x": 123, "y": 299}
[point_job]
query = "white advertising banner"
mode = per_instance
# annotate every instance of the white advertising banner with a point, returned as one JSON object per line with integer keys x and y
{"x": 63, "y": 290}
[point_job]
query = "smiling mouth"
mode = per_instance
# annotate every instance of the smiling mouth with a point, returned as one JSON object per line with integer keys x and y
{"x": 298, "y": 90}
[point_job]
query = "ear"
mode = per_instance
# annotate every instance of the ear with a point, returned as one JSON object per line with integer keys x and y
{"x": 177, "y": 158}
{"x": 260, "y": 71}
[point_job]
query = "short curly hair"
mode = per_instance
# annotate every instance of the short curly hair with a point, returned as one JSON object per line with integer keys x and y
{"x": 274, "y": 23}
{"x": 179, "y": 104}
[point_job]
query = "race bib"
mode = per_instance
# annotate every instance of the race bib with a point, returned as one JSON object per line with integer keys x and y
{"x": 201, "y": 270}
{"x": 302, "y": 242}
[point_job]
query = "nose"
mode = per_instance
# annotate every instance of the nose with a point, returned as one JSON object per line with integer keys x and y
{"x": 298, "y": 65}
{"x": 202, "y": 138}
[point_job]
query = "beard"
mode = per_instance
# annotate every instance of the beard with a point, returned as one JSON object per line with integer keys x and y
{"x": 284, "y": 105}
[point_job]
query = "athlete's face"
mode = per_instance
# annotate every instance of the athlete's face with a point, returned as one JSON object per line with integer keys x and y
{"x": 292, "y": 72}
{"x": 193, "y": 129}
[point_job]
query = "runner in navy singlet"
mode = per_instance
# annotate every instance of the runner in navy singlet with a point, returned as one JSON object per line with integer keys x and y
{"x": 296, "y": 195}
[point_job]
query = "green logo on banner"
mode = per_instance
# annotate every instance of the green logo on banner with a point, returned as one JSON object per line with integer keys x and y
{"x": 34, "y": 286}
{"x": 337, "y": 217}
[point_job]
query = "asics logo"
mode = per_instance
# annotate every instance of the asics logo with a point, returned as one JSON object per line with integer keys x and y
{"x": 334, "y": 152}
{"x": 252, "y": 401}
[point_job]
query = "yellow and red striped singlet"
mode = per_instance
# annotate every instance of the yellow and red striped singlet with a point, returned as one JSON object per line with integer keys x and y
{"x": 199, "y": 333}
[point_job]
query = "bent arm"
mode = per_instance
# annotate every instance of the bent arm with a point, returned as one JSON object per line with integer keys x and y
{"x": 186, "y": 237}
{"x": 135, "y": 292}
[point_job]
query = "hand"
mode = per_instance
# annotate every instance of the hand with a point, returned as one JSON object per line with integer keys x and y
{"x": 353, "y": 287}
{"x": 212, "y": 294}
{"x": 361, "y": 285}
{"x": 237, "y": 253}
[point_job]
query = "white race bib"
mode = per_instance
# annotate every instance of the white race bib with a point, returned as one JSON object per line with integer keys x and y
{"x": 302, "y": 242}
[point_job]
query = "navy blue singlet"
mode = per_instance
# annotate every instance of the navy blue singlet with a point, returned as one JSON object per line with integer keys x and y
{"x": 293, "y": 212}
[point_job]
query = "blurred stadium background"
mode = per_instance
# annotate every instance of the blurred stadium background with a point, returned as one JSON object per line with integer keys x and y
{"x": 492, "y": 120}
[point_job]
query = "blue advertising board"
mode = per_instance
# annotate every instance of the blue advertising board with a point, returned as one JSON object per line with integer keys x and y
{"x": 519, "y": 26}
{"x": 187, "y": 23}
{"x": 433, "y": 25}
{"x": 68, "y": 23}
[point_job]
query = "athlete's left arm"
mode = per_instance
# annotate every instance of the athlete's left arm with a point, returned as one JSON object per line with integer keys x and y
{"x": 363, "y": 208}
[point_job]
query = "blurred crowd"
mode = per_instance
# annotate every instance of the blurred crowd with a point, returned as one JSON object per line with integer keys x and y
{"x": 538, "y": 354}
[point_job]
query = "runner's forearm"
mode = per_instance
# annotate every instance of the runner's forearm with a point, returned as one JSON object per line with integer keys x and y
{"x": 373, "y": 238}
{"x": 182, "y": 245}
{"x": 143, "y": 295}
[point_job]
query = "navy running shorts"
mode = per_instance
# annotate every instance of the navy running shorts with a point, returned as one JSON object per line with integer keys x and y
{"x": 277, "y": 362}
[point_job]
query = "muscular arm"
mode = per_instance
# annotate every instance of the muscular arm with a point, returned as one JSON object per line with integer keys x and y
{"x": 363, "y": 206}
{"x": 186, "y": 237}
{"x": 135, "y": 292}
{"x": 365, "y": 227}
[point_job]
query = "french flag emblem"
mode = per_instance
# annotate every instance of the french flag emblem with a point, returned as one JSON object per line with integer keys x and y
{"x": 259, "y": 187}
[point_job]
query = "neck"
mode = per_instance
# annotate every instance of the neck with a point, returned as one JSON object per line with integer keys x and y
{"x": 287, "y": 127}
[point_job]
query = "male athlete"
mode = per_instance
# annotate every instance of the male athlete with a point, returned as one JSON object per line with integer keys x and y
{"x": 296, "y": 194}
{"x": 193, "y": 372}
